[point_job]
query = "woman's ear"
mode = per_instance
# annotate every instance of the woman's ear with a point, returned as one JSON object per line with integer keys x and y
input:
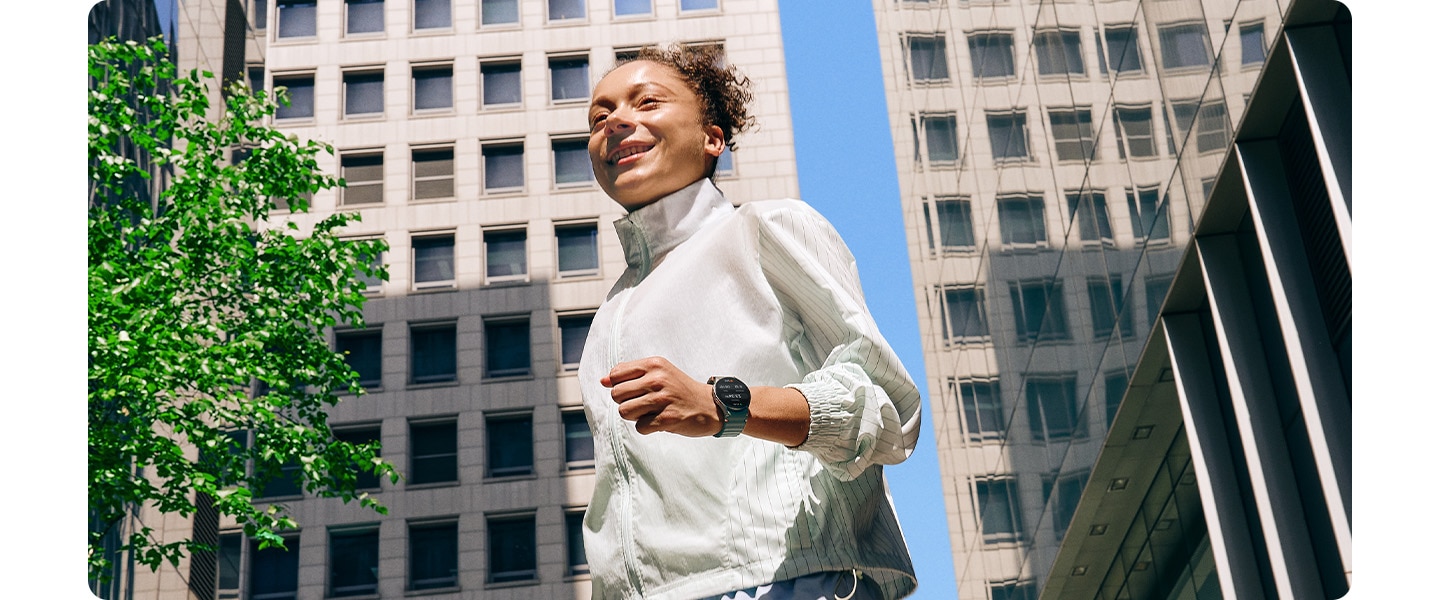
{"x": 714, "y": 140}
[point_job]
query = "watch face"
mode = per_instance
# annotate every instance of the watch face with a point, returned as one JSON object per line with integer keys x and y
{"x": 732, "y": 393}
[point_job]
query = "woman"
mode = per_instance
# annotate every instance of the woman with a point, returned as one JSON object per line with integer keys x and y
{"x": 741, "y": 396}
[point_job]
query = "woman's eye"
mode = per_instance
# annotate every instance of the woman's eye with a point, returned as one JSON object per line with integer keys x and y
{"x": 596, "y": 122}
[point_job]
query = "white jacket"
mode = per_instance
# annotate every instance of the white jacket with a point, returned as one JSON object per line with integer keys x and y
{"x": 767, "y": 293}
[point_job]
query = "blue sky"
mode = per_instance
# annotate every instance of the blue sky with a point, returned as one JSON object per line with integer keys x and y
{"x": 847, "y": 172}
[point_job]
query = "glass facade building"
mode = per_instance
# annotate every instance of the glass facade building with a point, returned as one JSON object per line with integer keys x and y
{"x": 1055, "y": 160}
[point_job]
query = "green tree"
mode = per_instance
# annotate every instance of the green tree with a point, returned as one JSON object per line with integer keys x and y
{"x": 206, "y": 317}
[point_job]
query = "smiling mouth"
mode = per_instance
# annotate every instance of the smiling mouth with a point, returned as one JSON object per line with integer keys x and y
{"x": 620, "y": 154}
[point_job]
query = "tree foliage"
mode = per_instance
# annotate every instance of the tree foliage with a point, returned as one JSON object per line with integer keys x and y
{"x": 207, "y": 318}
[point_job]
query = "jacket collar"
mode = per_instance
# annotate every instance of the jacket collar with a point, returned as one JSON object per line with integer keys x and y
{"x": 651, "y": 232}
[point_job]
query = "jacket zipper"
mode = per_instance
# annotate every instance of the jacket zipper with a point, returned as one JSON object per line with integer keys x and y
{"x": 627, "y": 543}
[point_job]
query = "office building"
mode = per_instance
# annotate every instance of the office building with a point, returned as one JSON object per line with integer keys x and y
{"x": 1069, "y": 174}
{"x": 459, "y": 127}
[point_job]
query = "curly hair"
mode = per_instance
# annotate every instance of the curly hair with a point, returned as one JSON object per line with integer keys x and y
{"x": 723, "y": 90}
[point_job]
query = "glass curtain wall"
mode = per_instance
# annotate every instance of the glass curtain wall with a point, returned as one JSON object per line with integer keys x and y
{"x": 1086, "y": 135}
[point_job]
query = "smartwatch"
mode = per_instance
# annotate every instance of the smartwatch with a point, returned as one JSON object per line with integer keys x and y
{"x": 733, "y": 398}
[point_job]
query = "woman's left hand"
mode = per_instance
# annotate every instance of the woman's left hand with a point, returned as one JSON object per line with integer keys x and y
{"x": 658, "y": 396}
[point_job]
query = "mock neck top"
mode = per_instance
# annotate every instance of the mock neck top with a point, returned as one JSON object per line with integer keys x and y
{"x": 652, "y": 231}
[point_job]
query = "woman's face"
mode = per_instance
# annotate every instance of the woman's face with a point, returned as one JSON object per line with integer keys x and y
{"x": 647, "y": 134}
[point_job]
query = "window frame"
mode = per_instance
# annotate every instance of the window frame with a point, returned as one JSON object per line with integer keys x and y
{"x": 361, "y": 72}
{"x": 492, "y": 577}
{"x": 935, "y": 224}
{"x": 412, "y": 454}
{"x": 503, "y": 61}
{"x": 280, "y": 16}
{"x": 499, "y": 145}
{"x": 278, "y": 80}
{"x": 939, "y": 48}
{"x": 1245, "y": 29}
{"x": 1016, "y": 530}
{"x": 431, "y": 67}
{"x": 359, "y": 430}
{"x": 523, "y": 424}
{"x": 924, "y": 132}
{"x": 1090, "y": 209}
{"x": 345, "y": 32}
{"x": 415, "y": 14}
{"x": 1052, "y": 323}
{"x": 1023, "y": 118}
{"x": 970, "y": 409}
{"x": 436, "y": 284}
{"x": 332, "y": 561}
{"x": 616, "y": 16}
{"x": 1134, "y": 38}
{"x": 416, "y": 179}
{"x": 570, "y": 465}
{"x": 361, "y": 155}
{"x": 583, "y": 18}
{"x": 490, "y": 322}
{"x": 680, "y": 8}
{"x": 579, "y": 141}
{"x": 1035, "y": 212}
{"x": 1063, "y": 35}
{"x": 1113, "y": 290}
{"x": 550, "y": 60}
{"x": 947, "y": 319}
{"x": 1084, "y": 127}
{"x": 587, "y": 224}
{"x": 450, "y": 378}
{"x": 1124, "y": 141}
{"x": 1039, "y": 409}
{"x": 1161, "y": 208}
{"x": 374, "y": 330}
{"x": 589, "y": 316}
{"x": 519, "y": 17}
{"x": 291, "y": 555}
{"x": 976, "y": 63}
{"x": 412, "y": 555}
{"x": 1165, "y": 55}
{"x": 574, "y": 532}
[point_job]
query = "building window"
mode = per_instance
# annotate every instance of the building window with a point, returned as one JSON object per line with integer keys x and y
{"x": 504, "y": 166}
{"x": 964, "y": 312}
{"x": 1184, "y": 45}
{"x": 433, "y": 453}
{"x": 1074, "y": 137}
{"x": 354, "y": 562}
{"x": 575, "y": 543}
{"x": 573, "y": 331}
{"x": 978, "y": 403}
{"x": 1091, "y": 215}
{"x": 1134, "y": 133}
{"x": 724, "y": 165}
{"x": 1039, "y": 307}
{"x": 274, "y": 571}
{"x": 1008, "y": 139}
{"x": 927, "y": 59}
{"x": 364, "y": 93}
{"x": 297, "y": 18}
{"x": 362, "y": 353}
{"x": 579, "y": 443}
{"x": 997, "y": 501}
{"x": 364, "y": 176}
{"x": 1252, "y": 43}
{"x": 432, "y": 14}
{"x": 256, "y": 9}
{"x": 1066, "y": 498}
{"x": 499, "y": 12}
{"x": 434, "y": 173}
{"x": 1058, "y": 53}
{"x": 228, "y": 554}
{"x": 560, "y": 10}
{"x": 434, "y": 556}
{"x": 364, "y": 16}
{"x": 572, "y": 162}
{"x": 1051, "y": 404}
{"x": 689, "y": 5}
{"x": 505, "y": 255}
{"x": 1012, "y": 590}
{"x": 500, "y": 84}
{"x": 509, "y": 448}
{"x": 952, "y": 221}
{"x": 1108, "y": 308}
{"x": 1149, "y": 215}
{"x": 1123, "y": 50}
{"x": 507, "y": 347}
{"x": 1155, "y": 290}
{"x": 1022, "y": 220}
{"x": 512, "y": 548}
{"x": 434, "y": 265}
{"x": 992, "y": 54}
{"x": 569, "y": 78}
{"x": 1115, "y": 384}
{"x": 941, "y": 146}
{"x": 631, "y": 8}
{"x": 301, "y": 89}
{"x": 432, "y": 87}
{"x": 577, "y": 249}
{"x": 284, "y": 484}
{"x": 432, "y": 353}
{"x": 1212, "y": 132}
{"x": 365, "y": 479}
